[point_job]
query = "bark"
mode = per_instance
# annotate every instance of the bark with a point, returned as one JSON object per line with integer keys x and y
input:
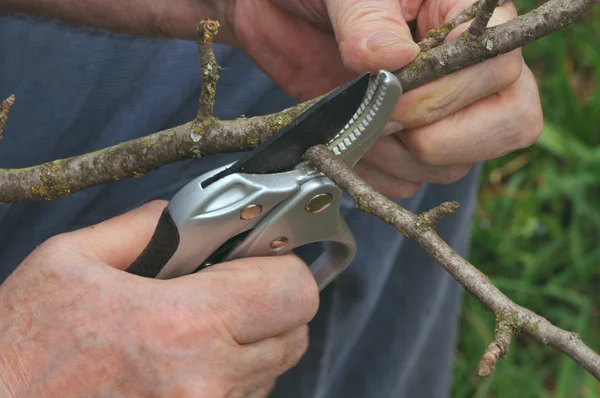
{"x": 210, "y": 136}
{"x": 511, "y": 318}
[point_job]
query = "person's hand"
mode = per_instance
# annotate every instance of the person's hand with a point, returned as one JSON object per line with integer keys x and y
{"x": 74, "y": 324}
{"x": 309, "y": 47}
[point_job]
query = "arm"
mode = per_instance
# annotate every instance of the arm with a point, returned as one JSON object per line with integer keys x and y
{"x": 154, "y": 18}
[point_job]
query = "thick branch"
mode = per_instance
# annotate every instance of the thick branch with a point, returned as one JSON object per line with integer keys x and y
{"x": 458, "y": 54}
{"x": 130, "y": 159}
{"x": 134, "y": 158}
{"x": 420, "y": 228}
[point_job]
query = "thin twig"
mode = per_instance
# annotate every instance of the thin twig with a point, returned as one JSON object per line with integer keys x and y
{"x": 207, "y": 30}
{"x": 479, "y": 24}
{"x": 498, "y": 348}
{"x": 436, "y": 36}
{"x": 131, "y": 159}
{"x": 4, "y": 111}
{"x": 510, "y": 318}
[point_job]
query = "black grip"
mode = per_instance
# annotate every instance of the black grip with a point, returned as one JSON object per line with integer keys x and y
{"x": 159, "y": 251}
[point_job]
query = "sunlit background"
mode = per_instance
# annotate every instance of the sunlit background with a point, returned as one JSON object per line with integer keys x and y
{"x": 537, "y": 228}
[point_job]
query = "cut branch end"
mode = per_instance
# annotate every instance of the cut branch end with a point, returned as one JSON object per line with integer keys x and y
{"x": 207, "y": 29}
{"x": 435, "y": 215}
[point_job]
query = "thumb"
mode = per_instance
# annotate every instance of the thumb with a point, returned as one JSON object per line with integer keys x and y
{"x": 372, "y": 34}
{"x": 119, "y": 240}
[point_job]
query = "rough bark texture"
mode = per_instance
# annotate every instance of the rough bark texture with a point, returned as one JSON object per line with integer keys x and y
{"x": 480, "y": 22}
{"x": 458, "y": 54}
{"x": 211, "y": 136}
{"x": 134, "y": 158}
{"x": 510, "y": 318}
{"x": 436, "y": 36}
{"x": 207, "y": 30}
{"x": 4, "y": 111}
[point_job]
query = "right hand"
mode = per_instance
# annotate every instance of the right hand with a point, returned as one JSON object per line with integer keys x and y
{"x": 74, "y": 324}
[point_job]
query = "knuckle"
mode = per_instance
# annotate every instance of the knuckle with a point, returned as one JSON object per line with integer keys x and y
{"x": 53, "y": 246}
{"x": 404, "y": 190}
{"x": 532, "y": 124}
{"x": 54, "y": 242}
{"x": 292, "y": 348}
{"x": 426, "y": 150}
{"x": 529, "y": 123}
{"x": 155, "y": 204}
{"x": 508, "y": 71}
{"x": 306, "y": 294}
{"x": 452, "y": 174}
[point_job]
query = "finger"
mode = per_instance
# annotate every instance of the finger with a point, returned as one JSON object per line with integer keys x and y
{"x": 119, "y": 240}
{"x": 262, "y": 392}
{"x": 276, "y": 355}
{"x": 389, "y": 155}
{"x": 444, "y": 96}
{"x": 386, "y": 184}
{"x": 275, "y": 46}
{"x": 487, "y": 129}
{"x": 372, "y": 34}
{"x": 255, "y": 298}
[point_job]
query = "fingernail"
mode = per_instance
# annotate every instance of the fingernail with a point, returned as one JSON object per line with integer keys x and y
{"x": 392, "y": 127}
{"x": 384, "y": 39}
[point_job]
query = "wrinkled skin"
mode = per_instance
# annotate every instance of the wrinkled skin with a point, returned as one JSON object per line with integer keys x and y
{"x": 73, "y": 324}
{"x": 442, "y": 128}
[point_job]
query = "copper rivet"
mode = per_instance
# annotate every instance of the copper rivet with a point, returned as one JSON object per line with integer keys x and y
{"x": 250, "y": 211}
{"x": 279, "y": 242}
{"x": 318, "y": 203}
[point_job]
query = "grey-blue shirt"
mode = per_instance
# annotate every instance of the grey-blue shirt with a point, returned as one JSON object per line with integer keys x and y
{"x": 385, "y": 328}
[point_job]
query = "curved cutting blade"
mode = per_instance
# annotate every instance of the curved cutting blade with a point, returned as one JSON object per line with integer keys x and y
{"x": 317, "y": 125}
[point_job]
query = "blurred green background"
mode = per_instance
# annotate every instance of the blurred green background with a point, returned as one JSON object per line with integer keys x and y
{"x": 537, "y": 228}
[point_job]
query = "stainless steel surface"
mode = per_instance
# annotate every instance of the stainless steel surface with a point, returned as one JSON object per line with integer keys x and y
{"x": 279, "y": 211}
{"x": 207, "y": 218}
{"x": 290, "y": 219}
{"x": 363, "y": 129}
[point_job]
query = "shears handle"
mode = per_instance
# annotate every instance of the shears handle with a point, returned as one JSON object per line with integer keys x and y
{"x": 248, "y": 216}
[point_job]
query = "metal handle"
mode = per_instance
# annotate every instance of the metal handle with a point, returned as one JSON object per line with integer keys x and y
{"x": 311, "y": 215}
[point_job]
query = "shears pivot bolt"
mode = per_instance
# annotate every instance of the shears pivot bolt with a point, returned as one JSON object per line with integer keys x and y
{"x": 250, "y": 211}
{"x": 318, "y": 203}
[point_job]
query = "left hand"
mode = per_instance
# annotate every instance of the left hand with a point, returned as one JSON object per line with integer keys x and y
{"x": 482, "y": 112}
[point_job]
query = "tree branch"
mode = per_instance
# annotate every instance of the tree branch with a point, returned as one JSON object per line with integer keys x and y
{"x": 134, "y": 158}
{"x": 465, "y": 51}
{"x": 479, "y": 24}
{"x": 4, "y": 111}
{"x": 510, "y": 318}
{"x": 207, "y": 30}
{"x": 436, "y": 36}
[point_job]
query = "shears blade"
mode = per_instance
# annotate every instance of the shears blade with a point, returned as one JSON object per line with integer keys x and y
{"x": 317, "y": 125}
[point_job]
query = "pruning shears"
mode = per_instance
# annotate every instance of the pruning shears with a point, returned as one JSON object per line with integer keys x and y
{"x": 272, "y": 201}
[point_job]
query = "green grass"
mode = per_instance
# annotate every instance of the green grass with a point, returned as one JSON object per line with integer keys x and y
{"x": 537, "y": 228}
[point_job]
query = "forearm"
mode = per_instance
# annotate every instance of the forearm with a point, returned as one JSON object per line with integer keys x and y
{"x": 155, "y": 18}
